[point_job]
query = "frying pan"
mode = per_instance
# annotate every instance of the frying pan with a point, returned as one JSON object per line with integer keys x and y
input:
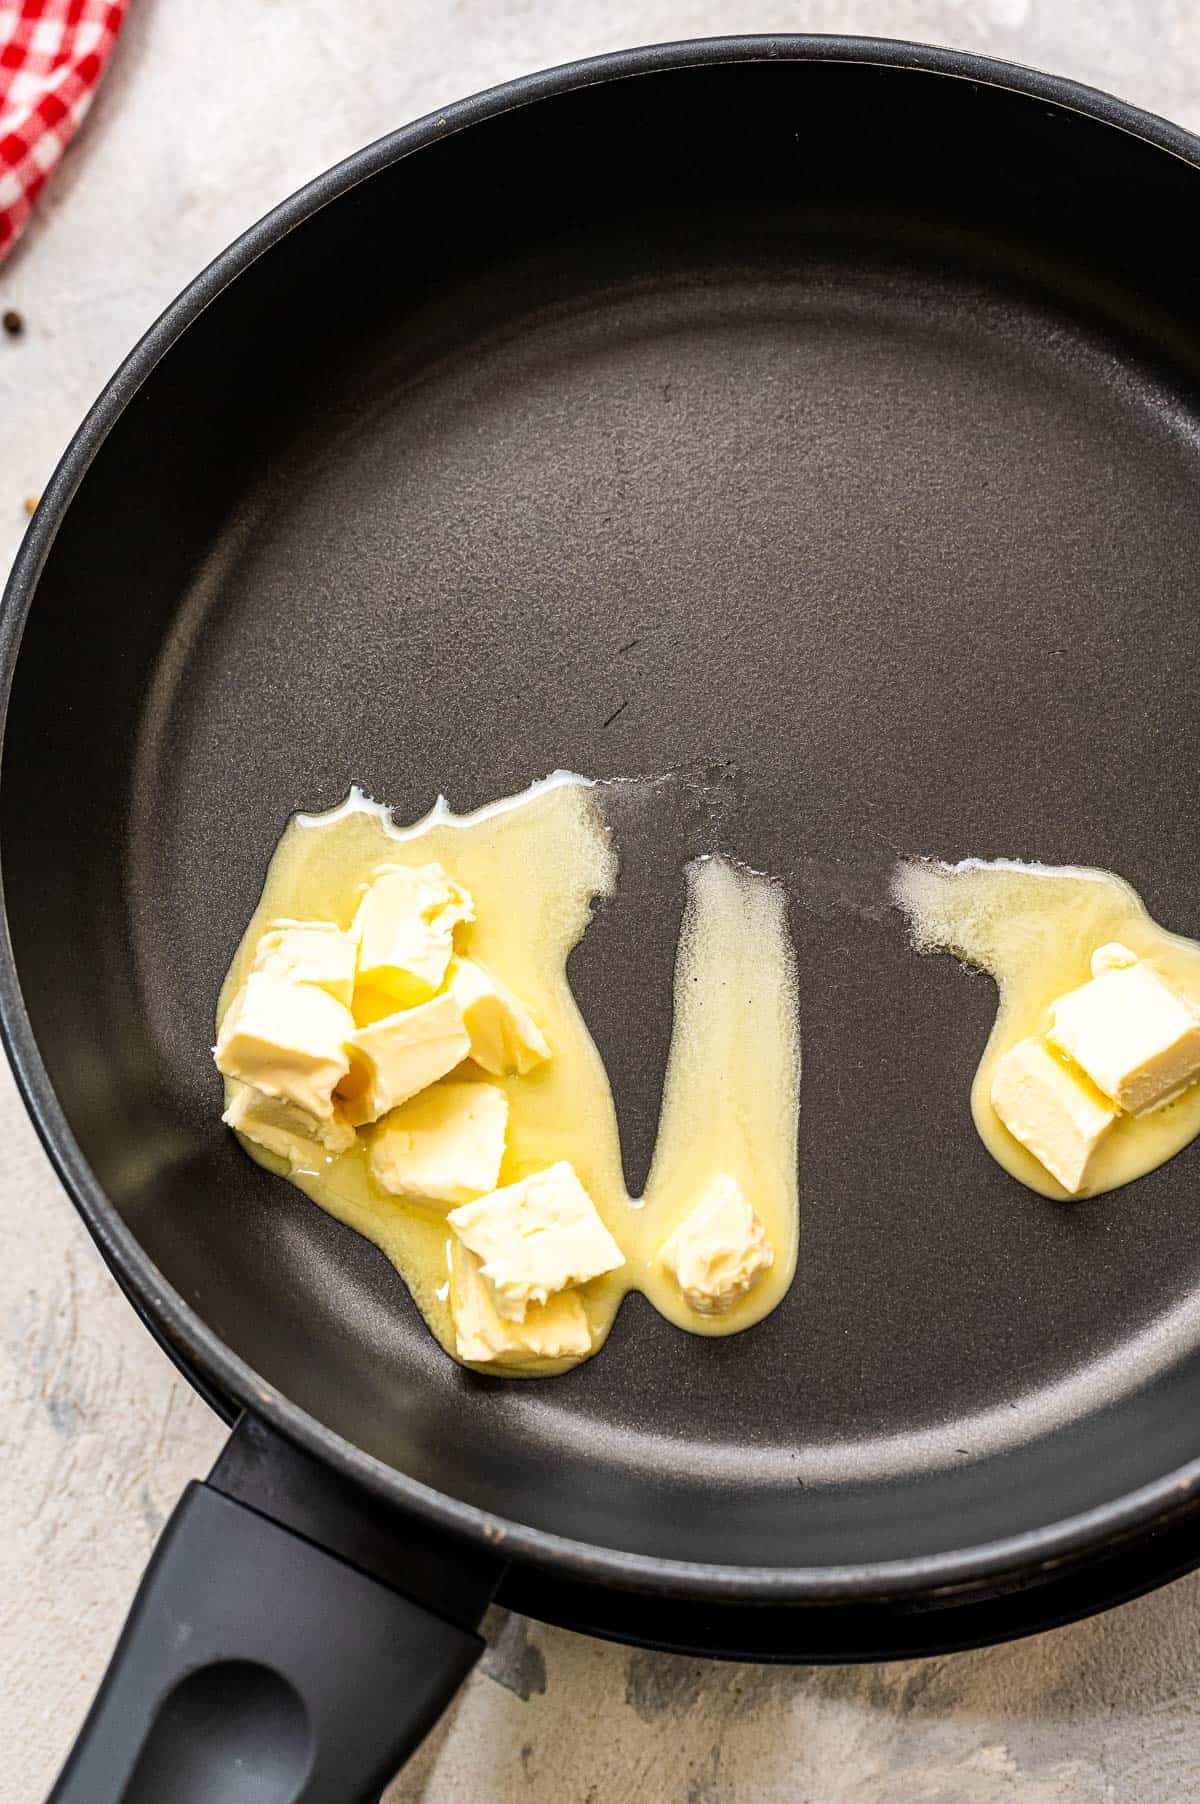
{"x": 822, "y": 412}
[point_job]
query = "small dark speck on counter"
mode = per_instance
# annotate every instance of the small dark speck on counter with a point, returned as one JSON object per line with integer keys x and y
{"x": 14, "y": 325}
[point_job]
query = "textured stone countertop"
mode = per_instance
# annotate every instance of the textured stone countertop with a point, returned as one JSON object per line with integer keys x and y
{"x": 210, "y": 114}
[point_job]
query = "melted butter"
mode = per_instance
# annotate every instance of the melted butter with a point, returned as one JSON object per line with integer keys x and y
{"x": 534, "y": 865}
{"x": 1034, "y": 929}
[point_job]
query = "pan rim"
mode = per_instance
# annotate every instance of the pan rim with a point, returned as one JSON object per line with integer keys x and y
{"x": 226, "y": 1382}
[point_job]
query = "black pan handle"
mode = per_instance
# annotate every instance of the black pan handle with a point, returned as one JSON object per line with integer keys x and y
{"x": 259, "y": 1667}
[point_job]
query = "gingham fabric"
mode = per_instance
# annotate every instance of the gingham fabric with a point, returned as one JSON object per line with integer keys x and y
{"x": 52, "y": 55}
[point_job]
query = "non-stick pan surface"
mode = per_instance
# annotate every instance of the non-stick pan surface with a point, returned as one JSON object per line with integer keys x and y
{"x": 812, "y": 412}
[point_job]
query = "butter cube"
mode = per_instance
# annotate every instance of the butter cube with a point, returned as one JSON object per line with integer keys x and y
{"x": 720, "y": 1249}
{"x": 394, "y": 1058}
{"x": 306, "y": 1143}
{"x": 405, "y": 930}
{"x": 313, "y": 952}
{"x": 556, "y": 1329}
{"x": 535, "y": 1238}
{"x": 443, "y": 1146}
{"x": 1136, "y": 1038}
{"x": 504, "y": 1036}
{"x": 288, "y": 1040}
{"x": 1112, "y": 957}
{"x": 1057, "y": 1114}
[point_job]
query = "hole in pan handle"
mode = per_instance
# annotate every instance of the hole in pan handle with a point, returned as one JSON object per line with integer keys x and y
{"x": 290, "y": 1643}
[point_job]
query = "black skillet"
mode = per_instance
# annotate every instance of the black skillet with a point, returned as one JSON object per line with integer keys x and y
{"x": 824, "y": 410}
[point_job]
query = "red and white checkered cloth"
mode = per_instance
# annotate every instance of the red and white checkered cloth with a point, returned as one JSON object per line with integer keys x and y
{"x": 52, "y": 55}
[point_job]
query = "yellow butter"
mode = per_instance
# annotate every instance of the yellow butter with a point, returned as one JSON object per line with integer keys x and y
{"x": 534, "y": 866}
{"x": 405, "y": 929}
{"x": 720, "y": 1249}
{"x": 1111, "y": 957}
{"x": 536, "y": 1237}
{"x": 313, "y": 952}
{"x": 306, "y": 1143}
{"x": 1134, "y": 1036}
{"x": 505, "y": 1038}
{"x": 288, "y": 1040}
{"x": 394, "y": 1058}
{"x": 1052, "y": 1110}
{"x": 444, "y": 1145}
{"x": 556, "y": 1329}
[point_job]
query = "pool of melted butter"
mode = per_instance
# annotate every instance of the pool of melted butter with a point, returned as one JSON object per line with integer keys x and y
{"x": 1034, "y": 928}
{"x": 535, "y": 864}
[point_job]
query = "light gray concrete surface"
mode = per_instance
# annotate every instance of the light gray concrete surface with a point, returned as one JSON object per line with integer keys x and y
{"x": 209, "y": 115}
